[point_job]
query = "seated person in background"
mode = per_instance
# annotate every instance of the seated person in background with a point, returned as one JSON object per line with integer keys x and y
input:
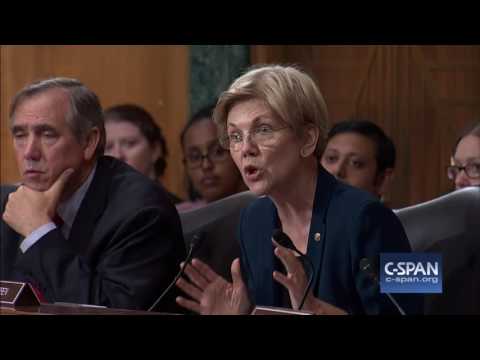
{"x": 211, "y": 173}
{"x": 134, "y": 137}
{"x": 460, "y": 250}
{"x": 83, "y": 227}
{"x": 273, "y": 120}
{"x": 464, "y": 169}
{"x": 359, "y": 153}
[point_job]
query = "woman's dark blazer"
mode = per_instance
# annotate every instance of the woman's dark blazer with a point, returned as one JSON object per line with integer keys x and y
{"x": 347, "y": 226}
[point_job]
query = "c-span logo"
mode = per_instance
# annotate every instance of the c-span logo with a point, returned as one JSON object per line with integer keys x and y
{"x": 410, "y": 273}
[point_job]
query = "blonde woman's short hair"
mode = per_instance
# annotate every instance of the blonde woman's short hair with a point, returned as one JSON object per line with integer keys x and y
{"x": 288, "y": 91}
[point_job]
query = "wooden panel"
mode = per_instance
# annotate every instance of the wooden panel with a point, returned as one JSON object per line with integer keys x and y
{"x": 420, "y": 95}
{"x": 155, "y": 77}
{"x": 452, "y": 89}
{"x": 266, "y": 54}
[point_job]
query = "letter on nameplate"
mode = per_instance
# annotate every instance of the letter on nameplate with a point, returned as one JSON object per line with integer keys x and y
{"x": 269, "y": 310}
{"x": 13, "y": 293}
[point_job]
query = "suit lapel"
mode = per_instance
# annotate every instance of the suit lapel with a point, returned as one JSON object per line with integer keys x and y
{"x": 317, "y": 236}
{"x": 267, "y": 289}
{"x": 92, "y": 207}
{"x": 277, "y": 291}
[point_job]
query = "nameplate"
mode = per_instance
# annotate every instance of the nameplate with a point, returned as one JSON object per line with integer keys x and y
{"x": 14, "y": 293}
{"x": 269, "y": 310}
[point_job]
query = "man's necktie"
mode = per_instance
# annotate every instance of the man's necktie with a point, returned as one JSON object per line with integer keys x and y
{"x": 58, "y": 220}
{"x": 37, "y": 292}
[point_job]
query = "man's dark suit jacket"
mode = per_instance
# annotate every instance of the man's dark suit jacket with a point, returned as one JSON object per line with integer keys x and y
{"x": 352, "y": 226}
{"x": 124, "y": 248}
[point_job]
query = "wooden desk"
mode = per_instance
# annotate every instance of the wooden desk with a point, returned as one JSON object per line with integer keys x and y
{"x": 70, "y": 309}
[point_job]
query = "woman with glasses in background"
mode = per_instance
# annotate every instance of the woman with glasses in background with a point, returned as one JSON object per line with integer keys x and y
{"x": 464, "y": 169}
{"x": 211, "y": 173}
{"x": 273, "y": 120}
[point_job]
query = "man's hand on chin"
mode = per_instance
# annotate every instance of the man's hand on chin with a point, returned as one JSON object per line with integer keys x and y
{"x": 27, "y": 209}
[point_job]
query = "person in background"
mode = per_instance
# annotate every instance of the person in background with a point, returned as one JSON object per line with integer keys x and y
{"x": 360, "y": 154}
{"x": 211, "y": 175}
{"x": 464, "y": 169}
{"x": 460, "y": 248}
{"x": 211, "y": 172}
{"x": 134, "y": 137}
{"x": 273, "y": 120}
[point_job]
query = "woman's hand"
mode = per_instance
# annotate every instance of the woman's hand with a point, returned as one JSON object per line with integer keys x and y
{"x": 296, "y": 281}
{"x": 210, "y": 293}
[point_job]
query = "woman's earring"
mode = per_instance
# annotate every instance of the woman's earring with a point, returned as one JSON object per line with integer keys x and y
{"x": 303, "y": 153}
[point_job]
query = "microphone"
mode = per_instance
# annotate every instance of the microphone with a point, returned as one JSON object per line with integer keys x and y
{"x": 370, "y": 268}
{"x": 284, "y": 240}
{"x": 197, "y": 239}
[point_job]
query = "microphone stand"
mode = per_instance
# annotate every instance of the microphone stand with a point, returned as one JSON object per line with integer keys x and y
{"x": 368, "y": 267}
{"x": 284, "y": 240}
{"x": 197, "y": 238}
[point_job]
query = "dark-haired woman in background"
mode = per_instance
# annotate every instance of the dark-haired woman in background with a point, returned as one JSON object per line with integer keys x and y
{"x": 212, "y": 174}
{"x": 135, "y": 138}
{"x": 359, "y": 153}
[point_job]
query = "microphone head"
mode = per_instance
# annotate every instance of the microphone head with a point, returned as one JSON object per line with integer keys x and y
{"x": 283, "y": 239}
{"x": 369, "y": 267}
{"x": 197, "y": 240}
{"x": 365, "y": 264}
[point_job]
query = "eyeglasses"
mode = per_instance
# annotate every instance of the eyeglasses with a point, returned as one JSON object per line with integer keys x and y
{"x": 215, "y": 153}
{"x": 472, "y": 170}
{"x": 260, "y": 135}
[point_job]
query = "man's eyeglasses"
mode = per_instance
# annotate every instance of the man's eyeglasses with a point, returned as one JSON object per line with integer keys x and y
{"x": 215, "y": 153}
{"x": 472, "y": 170}
{"x": 260, "y": 135}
